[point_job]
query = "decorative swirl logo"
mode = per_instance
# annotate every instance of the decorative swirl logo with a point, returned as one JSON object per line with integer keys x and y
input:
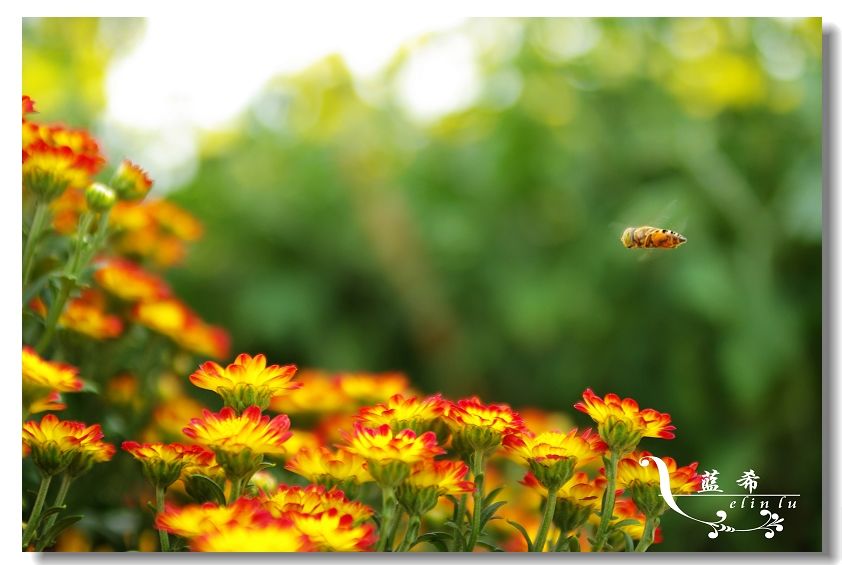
{"x": 772, "y": 522}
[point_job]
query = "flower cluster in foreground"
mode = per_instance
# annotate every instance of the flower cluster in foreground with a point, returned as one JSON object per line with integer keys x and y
{"x": 274, "y": 459}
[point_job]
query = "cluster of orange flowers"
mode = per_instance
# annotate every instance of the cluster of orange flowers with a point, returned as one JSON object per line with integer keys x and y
{"x": 369, "y": 465}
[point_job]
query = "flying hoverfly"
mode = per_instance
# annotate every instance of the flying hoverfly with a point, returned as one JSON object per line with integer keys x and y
{"x": 647, "y": 237}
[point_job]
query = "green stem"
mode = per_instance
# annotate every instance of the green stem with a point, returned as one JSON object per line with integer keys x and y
{"x": 160, "y": 494}
{"x": 479, "y": 494}
{"x": 648, "y": 534}
{"x": 562, "y": 543}
{"x": 236, "y": 488}
{"x": 39, "y": 220}
{"x": 457, "y": 519}
{"x": 35, "y": 516}
{"x": 63, "y": 487}
{"x": 411, "y": 532}
{"x": 69, "y": 278}
{"x": 546, "y": 520}
{"x": 387, "y": 516}
{"x": 607, "y": 501}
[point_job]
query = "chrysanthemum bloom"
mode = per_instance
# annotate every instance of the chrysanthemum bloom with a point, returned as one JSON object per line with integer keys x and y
{"x": 644, "y": 483}
{"x": 313, "y": 499}
{"x": 130, "y": 181}
{"x": 365, "y": 388}
{"x": 128, "y": 281}
{"x": 57, "y": 445}
{"x": 50, "y": 403}
{"x": 553, "y": 456}
{"x": 86, "y": 315}
{"x": 575, "y": 501}
{"x": 430, "y": 479}
{"x": 48, "y": 171}
{"x": 480, "y": 428}
{"x": 247, "y": 381}
{"x": 175, "y": 220}
{"x": 42, "y": 377}
{"x": 79, "y": 141}
{"x": 622, "y": 423}
{"x": 303, "y": 439}
{"x": 172, "y": 318}
{"x": 195, "y": 520}
{"x": 277, "y": 536}
{"x": 333, "y": 531}
{"x": 319, "y": 393}
{"x": 322, "y": 466}
{"x": 389, "y": 454}
{"x": 400, "y": 413}
{"x": 163, "y": 463}
{"x": 240, "y": 441}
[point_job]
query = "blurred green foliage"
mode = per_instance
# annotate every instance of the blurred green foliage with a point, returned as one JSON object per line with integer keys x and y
{"x": 480, "y": 252}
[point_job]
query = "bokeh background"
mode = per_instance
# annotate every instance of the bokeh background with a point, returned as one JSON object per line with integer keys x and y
{"x": 445, "y": 198}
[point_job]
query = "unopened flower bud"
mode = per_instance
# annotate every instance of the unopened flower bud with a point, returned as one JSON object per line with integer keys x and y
{"x": 100, "y": 198}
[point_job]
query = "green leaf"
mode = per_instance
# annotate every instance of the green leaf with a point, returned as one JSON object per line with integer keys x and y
{"x": 487, "y": 513}
{"x": 46, "y": 539}
{"x": 626, "y": 522}
{"x": 88, "y": 386}
{"x": 215, "y": 491}
{"x": 490, "y": 546}
{"x": 265, "y": 465}
{"x": 573, "y": 544}
{"x": 522, "y": 531}
{"x": 489, "y": 498}
{"x": 435, "y": 538}
{"x": 629, "y": 542}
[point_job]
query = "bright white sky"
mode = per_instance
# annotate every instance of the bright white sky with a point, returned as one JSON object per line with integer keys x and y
{"x": 178, "y": 81}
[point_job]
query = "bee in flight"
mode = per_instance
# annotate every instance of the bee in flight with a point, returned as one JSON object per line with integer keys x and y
{"x": 647, "y": 237}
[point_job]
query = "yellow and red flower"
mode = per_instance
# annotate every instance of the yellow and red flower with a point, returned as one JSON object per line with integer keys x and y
{"x": 418, "y": 415}
{"x": 41, "y": 378}
{"x": 196, "y": 520}
{"x": 172, "y": 318}
{"x": 621, "y": 421}
{"x": 130, "y": 181}
{"x": 57, "y": 445}
{"x": 319, "y": 393}
{"x": 313, "y": 499}
{"x": 240, "y": 441}
{"x": 383, "y": 445}
{"x": 276, "y": 536}
{"x": 643, "y": 483}
{"x": 366, "y": 388}
{"x": 389, "y": 454}
{"x": 478, "y": 427}
{"x": 430, "y": 479}
{"x": 86, "y": 315}
{"x": 333, "y": 531}
{"x": 163, "y": 463}
{"x": 330, "y": 468}
{"x": 55, "y": 158}
{"x": 553, "y": 456}
{"x": 128, "y": 281}
{"x": 247, "y": 381}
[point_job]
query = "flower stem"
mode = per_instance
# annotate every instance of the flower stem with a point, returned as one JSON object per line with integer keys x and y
{"x": 236, "y": 487}
{"x": 39, "y": 220}
{"x": 411, "y": 532}
{"x": 160, "y": 494}
{"x": 63, "y": 487}
{"x": 563, "y": 542}
{"x": 546, "y": 520}
{"x": 648, "y": 534}
{"x": 607, "y": 501}
{"x": 479, "y": 494}
{"x": 457, "y": 529}
{"x": 68, "y": 282}
{"x": 35, "y": 516}
{"x": 387, "y": 516}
